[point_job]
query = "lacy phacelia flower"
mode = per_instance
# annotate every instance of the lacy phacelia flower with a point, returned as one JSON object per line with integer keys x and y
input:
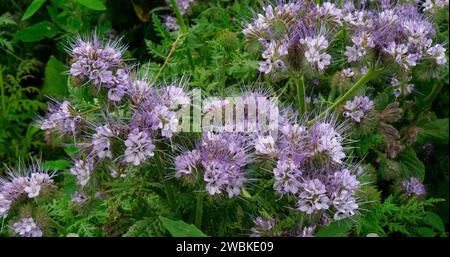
{"x": 223, "y": 157}
{"x": 26, "y": 227}
{"x": 325, "y": 140}
{"x": 23, "y": 180}
{"x": 287, "y": 178}
{"x": 170, "y": 23}
{"x": 403, "y": 87}
{"x": 413, "y": 187}
{"x": 358, "y": 108}
{"x": 100, "y": 142}
{"x": 78, "y": 197}
{"x": 183, "y": 5}
{"x": 82, "y": 170}
{"x": 437, "y": 52}
{"x": 314, "y": 51}
{"x": 313, "y": 197}
{"x": 307, "y": 231}
{"x": 262, "y": 227}
{"x": 61, "y": 117}
{"x": 156, "y": 108}
{"x": 432, "y": 6}
{"x": 186, "y": 163}
{"x": 99, "y": 62}
{"x": 265, "y": 145}
{"x": 139, "y": 147}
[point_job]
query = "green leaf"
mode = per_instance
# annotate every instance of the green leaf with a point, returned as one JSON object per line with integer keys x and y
{"x": 57, "y": 165}
{"x": 338, "y": 228}
{"x": 435, "y": 221}
{"x": 179, "y": 228}
{"x": 426, "y": 232}
{"x": 32, "y": 9}
{"x": 96, "y": 5}
{"x": 410, "y": 165}
{"x": 37, "y": 32}
{"x": 55, "y": 78}
{"x": 435, "y": 131}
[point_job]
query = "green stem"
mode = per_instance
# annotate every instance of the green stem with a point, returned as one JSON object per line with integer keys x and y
{"x": 60, "y": 228}
{"x": 434, "y": 93}
{"x": 180, "y": 19}
{"x": 167, "y": 187}
{"x": 199, "y": 210}
{"x": 301, "y": 97}
{"x": 2, "y": 92}
{"x": 361, "y": 82}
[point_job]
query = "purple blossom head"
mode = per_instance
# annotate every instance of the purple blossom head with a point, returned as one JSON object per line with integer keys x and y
{"x": 61, "y": 117}
{"x": 82, "y": 171}
{"x": 139, "y": 147}
{"x": 26, "y": 227}
{"x": 170, "y": 23}
{"x": 183, "y": 5}
{"x": 101, "y": 145}
{"x": 78, "y": 197}
{"x": 413, "y": 187}
{"x": 23, "y": 180}
{"x": 358, "y": 108}
{"x": 313, "y": 197}
{"x": 287, "y": 177}
{"x": 223, "y": 157}
{"x": 262, "y": 227}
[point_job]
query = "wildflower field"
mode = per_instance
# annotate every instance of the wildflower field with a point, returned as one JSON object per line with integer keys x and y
{"x": 259, "y": 118}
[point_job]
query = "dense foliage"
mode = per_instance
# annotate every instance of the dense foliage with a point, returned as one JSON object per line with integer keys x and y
{"x": 90, "y": 134}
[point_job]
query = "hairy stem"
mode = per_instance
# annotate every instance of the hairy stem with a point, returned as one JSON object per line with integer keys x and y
{"x": 301, "y": 97}
{"x": 2, "y": 93}
{"x": 183, "y": 29}
{"x": 199, "y": 210}
{"x": 167, "y": 186}
{"x": 358, "y": 85}
{"x": 434, "y": 93}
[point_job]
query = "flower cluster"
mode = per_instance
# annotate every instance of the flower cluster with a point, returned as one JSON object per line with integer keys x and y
{"x": 61, "y": 117}
{"x": 26, "y": 227}
{"x": 358, "y": 108}
{"x": 101, "y": 64}
{"x": 29, "y": 181}
{"x": 128, "y": 136}
{"x": 433, "y": 5}
{"x": 170, "y": 21}
{"x": 222, "y": 157}
{"x": 413, "y": 187}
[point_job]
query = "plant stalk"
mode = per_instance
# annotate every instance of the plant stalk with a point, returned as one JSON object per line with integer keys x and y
{"x": 199, "y": 211}
{"x": 361, "y": 82}
{"x": 301, "y": 97}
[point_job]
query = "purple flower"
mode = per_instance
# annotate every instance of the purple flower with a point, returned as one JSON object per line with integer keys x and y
{"x": 26, "y": 227}
{"x": 287, "y": 177}
{"x": 313, "y": 197}
{"x": 358, "y": 108}
{"x": 82, "y": 170}
{"x": 29, "y": 180}
{"x": 61, "y": 117}
{"x": 170, "y": 23}
{"x": 413, "y": 186}
{"x": 139, "y": 147}
{"x": 100, "y": 142}
{"x": 314, "y": 51}
{"x": 307, "y": 231}
{"x": 223, "y": 157}
{"x": 262, "y": 227}
{"x": 78, "y": 197}
{"x": 186, "y": 163}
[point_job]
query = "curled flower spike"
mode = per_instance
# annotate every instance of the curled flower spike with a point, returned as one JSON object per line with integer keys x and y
{"x": 28, "y": 180}
{"x": 101, "y": 64}
{"x": 82, "y": 170}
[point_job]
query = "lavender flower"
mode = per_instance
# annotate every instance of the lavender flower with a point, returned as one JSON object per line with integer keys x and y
{"x": 262, "y": 227}
{"x": 437, "y": 52}
{"x": 170, "y": 23}
{"x": 100, "y": 142}
{"x": 26, "y": 227}
{"x": 403, "y": 87}
{"x": 61, "y": 117}
{"x": 186, "y": 163}
{"x": 82, "y": 170}
{"x": 223, "y": 157}
{"x": 99, "y": 62}
{"x": 287, "y": 177}
{"x": 139, "y": 147}
{"x": 183, "y": 5}
{"x": 307, "y": 231}
{"x": 78, "y": 197}
{"x": 358, "y": 108}
{"x": 413, "y": 187}
{"x": 313, "y": 197}
{"x": 23, "y": 180}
